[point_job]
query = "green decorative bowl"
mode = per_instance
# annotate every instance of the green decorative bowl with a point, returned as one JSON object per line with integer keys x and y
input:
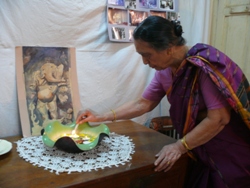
{"x": 85, "y": 138}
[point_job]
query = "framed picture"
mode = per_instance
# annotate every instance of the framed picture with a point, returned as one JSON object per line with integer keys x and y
{"x": 47, "y": 87}
{"x": 125, "y": 15}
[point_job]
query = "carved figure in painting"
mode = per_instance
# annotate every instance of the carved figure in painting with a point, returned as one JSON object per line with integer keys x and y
{"x": 48, "y": 87}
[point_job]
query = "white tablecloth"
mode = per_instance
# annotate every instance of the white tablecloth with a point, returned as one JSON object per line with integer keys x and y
{"x": 113, "y": 151}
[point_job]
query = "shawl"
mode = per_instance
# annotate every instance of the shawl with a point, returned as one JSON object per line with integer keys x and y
{"x": 225, "y": 74}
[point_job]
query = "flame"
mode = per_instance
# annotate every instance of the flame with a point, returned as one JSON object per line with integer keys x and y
{"x": 73, "y": 134}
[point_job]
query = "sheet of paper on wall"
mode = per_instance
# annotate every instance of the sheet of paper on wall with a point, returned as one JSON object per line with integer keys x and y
{"x": 47, "y": 87}
{"x": 123, "y": 16}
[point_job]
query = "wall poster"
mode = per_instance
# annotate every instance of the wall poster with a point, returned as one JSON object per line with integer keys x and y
{"x": 47, "y": 87}
{"x": 124, "y": 15}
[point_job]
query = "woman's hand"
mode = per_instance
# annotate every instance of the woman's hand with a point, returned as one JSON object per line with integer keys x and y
{"x": 88, "y": 116}
{"x": 169, "y": 155}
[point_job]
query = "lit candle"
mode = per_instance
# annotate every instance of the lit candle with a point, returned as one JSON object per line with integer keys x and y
{"x": 85, "y": 138}
{"x": 74, "y": 135}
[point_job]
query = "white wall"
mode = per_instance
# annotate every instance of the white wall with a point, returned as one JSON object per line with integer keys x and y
{"x": 109, "y": 74}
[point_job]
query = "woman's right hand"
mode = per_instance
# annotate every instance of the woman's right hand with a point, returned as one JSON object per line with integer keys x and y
{"x": 88, "y": 116}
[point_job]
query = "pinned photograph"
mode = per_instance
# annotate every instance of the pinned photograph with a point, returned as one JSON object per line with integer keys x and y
{"x": 158, "y": 13}
{"x": 131, "y": 31}
{"x": 136, "y": 17}
{"x": 147, "y": 4}
{"x": 167, "y": 4}
{"x": 173, "y": 16}
{"x": 118, "y": 33}
{"x": 130, "y": 4}
{"x": 116, "y": 2}
{"x": 117, "y": 16}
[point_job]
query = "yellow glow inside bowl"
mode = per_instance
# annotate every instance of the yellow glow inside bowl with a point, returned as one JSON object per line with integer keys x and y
{"x": 56, "y": 134}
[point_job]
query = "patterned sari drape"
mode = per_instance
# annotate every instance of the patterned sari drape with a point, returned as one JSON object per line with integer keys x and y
{"x": 226, "y": 75}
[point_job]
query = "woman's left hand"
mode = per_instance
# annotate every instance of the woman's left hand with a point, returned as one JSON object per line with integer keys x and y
{"x": 168, "y": 156}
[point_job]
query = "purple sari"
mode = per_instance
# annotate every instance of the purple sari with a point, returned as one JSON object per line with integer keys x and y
{"x": 224, "y": 161}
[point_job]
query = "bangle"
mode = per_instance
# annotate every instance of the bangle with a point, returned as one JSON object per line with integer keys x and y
{"x": 184, "y": 143}
{"x": 114, "y": 115}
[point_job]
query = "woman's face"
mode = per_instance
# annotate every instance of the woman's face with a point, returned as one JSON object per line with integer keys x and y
{"x": 158, "y": 60}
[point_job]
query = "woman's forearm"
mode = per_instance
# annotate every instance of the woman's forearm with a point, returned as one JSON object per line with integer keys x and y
{"x": 126, "y": 111}
{"x": 208, "y": 127}
{"x": 131, "y": 110}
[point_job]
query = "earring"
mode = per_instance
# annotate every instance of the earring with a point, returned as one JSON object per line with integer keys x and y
{"x": 169, "y": 51}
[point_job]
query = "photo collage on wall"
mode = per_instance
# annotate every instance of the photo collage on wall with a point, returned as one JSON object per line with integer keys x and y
{"x": 123, "y": 16}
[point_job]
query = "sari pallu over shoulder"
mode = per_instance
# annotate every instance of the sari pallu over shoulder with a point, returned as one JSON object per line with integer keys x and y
{"x": 184, "y": 98}
{"x": 226, "y": 75}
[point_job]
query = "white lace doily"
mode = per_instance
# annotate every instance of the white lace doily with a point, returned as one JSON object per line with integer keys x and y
{"x": 113, "y": 151}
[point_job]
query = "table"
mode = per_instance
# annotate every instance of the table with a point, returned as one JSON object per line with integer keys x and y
{"x": 139, "y": 172}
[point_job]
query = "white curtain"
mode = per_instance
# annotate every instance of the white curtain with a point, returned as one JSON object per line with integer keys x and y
{"x": 196, "y": 20}
{"x": 109, "y": 73}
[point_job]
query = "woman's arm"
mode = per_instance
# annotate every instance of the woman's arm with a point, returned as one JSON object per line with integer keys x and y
{"x": 127, "y": 111}
{"x": 208, "y": 128}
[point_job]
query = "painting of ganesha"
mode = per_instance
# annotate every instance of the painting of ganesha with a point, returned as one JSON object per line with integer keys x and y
{"x": 48, "y": 86}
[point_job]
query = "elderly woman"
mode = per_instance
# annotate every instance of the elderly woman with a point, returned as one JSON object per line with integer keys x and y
{"x": 209, "y": 97}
